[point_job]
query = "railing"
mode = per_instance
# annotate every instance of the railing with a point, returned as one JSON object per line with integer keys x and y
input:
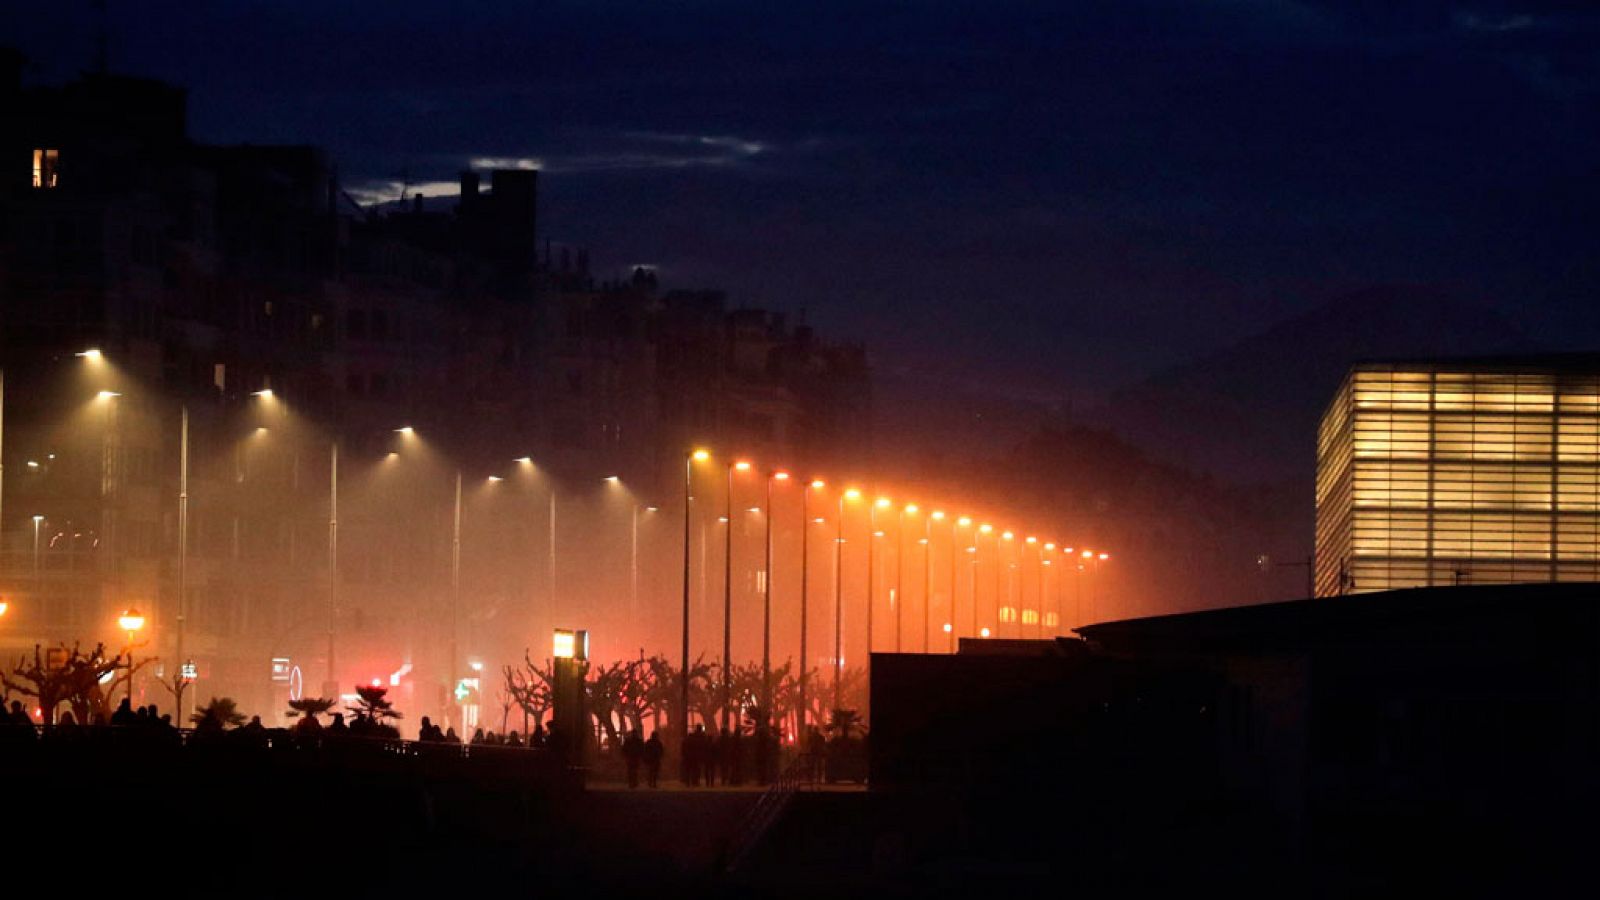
{"x": 800, "y": 774}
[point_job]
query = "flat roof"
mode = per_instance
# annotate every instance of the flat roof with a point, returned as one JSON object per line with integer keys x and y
{"x": 1301, "y": 623}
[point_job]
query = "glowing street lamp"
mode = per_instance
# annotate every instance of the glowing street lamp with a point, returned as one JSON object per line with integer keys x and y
{"x": 689, "y": 459}
{"x": 131, "y": 621}
{"x": 92, "y": 354}
{"x": 727, "y": 593}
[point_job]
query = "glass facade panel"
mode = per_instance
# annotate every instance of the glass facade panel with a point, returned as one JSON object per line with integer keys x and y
{"x": 1433, "y": 474}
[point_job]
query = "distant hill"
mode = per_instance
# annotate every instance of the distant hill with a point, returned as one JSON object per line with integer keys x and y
{"x": 1248, "y": 414}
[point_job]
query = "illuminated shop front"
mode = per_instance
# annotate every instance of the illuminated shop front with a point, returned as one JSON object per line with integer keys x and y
{"x": 1460, "y": 472}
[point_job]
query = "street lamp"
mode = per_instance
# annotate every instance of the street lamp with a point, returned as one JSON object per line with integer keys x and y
{"x": 689, "y": 459}
{"x": 727, "y": 593}
{"x": 838, "y": 593}
{"x": 131, "y": 621}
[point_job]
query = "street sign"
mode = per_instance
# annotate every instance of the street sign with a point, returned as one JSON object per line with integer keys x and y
{"x": 281, "y": 666}
{"x": 189, "y": 672}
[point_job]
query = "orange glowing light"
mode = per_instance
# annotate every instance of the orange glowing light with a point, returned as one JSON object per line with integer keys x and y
{"x": 701, "y": 455}
{"x": 911, "y": 508}
{"x": 780, "y": 476}
{"x": 938, "y": 515}
{"x": 1105, "y": 556}
{"x": 985, "y": 528}
{"x": 884, "y": 503}
{"x": 984, "y": 632}
{"x": 1008, "y": 535}
{"x": 964, "y": 521}
{"x": 1088, "y": 554}
{"x": 742, "y": 465}
{"x": 852, "y": 494}
{"x": 818, "y": 484}
{"x": 1032, "y": 540}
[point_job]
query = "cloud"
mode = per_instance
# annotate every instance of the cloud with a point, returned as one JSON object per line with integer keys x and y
{"x": 506, "y": 162}
{"x": 670, "y": 151}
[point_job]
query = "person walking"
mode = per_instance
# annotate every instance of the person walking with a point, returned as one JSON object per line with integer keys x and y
{"x": 632, "y": 756}
{"x": 653, "y": 751}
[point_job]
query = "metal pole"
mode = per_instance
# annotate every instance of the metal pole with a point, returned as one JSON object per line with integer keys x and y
{"x": 633, "y": 567}
{"x": 766, "y": 618}
{"x": 805, "y": 596}
{"x": 552, "y": 545}
{"x": 333, "y": 558}
{"x": 727, "y": 604}
{"x": 927, "y": 582}
{"x": 898, "y": 600}
{"x": 183, "y": 540}
{"x": 683, "y": 672}
{"x": 838, "y": 601}
{"x": 955, "y": 527}
{"x": 455, "y": 588}
{"x": 872, "y": 571}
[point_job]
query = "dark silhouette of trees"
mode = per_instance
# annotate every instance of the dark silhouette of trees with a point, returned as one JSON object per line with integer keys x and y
{"x": 373, "y": 713}
{"x": 84, "y": 681}
{"x": 220, "y": 713}
{"x": 531, "y": 688}
{"x": 310, "y": 707}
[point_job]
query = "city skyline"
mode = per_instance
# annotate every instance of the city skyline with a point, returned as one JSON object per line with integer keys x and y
{"x": 1136, "y": 241}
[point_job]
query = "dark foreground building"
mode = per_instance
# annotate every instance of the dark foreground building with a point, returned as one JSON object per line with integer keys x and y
{"x": 1442, "y": 737}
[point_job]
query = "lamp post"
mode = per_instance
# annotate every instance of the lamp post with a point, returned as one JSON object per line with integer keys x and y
{"x": 872, "y": 565}
{"x": 37, "y": 521}
{"x": 455, "y": 584}
{"x": 331, "y": 684}
{"x": 183, "y": 542}
{"x": 130, "y": 621}
{"x": 898, "y": 601}
{"x": 927, "y": 578}
{"x": 727, "y": 595}
{"x": 689, "y": 459}
{"x": 1004, "y": 566}
{"x": 805, "y": 595}
{"x": 766, "y": 604}
{"x": 838, "y": 594}
{"x": 956, "y": 525}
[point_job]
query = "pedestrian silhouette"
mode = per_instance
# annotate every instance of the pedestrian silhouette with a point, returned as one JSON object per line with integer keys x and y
{"x": 632, "y": 756}
{"x": 653, "y": 751}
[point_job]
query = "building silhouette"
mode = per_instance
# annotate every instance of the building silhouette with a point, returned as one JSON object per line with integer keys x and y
{"x": 208, "y": 275}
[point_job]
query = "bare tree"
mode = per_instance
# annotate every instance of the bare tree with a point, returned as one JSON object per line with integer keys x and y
{"x": 84, "y": 681}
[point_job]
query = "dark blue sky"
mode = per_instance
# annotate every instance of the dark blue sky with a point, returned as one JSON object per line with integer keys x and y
{"x": 1039, "y": 196}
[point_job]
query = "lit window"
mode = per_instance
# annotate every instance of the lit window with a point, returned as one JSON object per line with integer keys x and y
{"x": 46, "y": 165}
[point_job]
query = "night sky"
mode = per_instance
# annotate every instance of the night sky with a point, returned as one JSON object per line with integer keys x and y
{"x": 1039, "y": 197}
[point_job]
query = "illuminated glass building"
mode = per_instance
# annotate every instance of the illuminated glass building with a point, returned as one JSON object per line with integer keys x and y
{"x": 1460, "y": 472}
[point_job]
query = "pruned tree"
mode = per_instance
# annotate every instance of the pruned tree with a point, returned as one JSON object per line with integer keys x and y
{"x": 666, "y": 689}
{"x": 531, "y": 688}
{"x": 84, "y": 681}
{"x": 176, "y": 685}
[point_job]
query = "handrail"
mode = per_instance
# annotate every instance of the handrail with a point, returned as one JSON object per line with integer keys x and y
{"x": 802, "y": 772}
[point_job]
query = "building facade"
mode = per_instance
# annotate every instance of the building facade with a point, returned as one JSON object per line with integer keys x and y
{"x": 243, "y": 287}
{"x": 1456, "y": 472}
